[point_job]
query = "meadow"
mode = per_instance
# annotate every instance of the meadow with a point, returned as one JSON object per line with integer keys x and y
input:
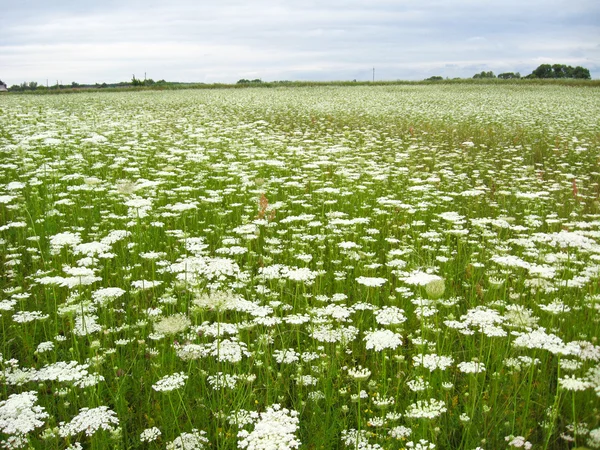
{"x": 385, "y": 267}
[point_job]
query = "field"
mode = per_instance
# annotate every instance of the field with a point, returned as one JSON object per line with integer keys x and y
{"x": 395, "y": 267}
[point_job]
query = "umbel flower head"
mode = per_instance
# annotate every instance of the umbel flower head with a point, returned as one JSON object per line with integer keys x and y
{"x": 89, "y": 421}
{"x": 172, "y": 324}
{"x": 19, "y": 415}
{"x": 273, "y": 429}
{"x": 435, "y": 288}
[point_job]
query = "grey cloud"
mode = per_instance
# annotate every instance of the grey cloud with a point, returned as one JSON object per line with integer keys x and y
{"x": 293, "y": 40}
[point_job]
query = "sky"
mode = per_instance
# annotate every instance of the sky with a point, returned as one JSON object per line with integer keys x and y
{"x": 227, "y": 40}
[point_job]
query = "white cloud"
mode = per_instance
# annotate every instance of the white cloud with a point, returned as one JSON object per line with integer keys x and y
{"x": 227, "y": 40}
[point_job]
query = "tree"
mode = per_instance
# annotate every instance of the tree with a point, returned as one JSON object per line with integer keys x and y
{"x": 582, "y": 73}
{"x": 560, "y": 71}
{"x": 136, "y": 82}
{"x": 434, "y": 78}
{"x": 509, "y": 75}
{"x": 484, "y": 74}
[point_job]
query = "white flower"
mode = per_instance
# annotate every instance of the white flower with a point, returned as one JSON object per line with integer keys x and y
{"x": 419, "y": 278}
{"x": 371, "y": 281}
{"x": 390, "y": 315}
{"x": 427, "y": 409}
{"x": 273, "y": 429}
{"x": 471, "y": 367}
{"x": 150, "y": 434}
{"x": 170, "y": 382}
{"x": 518, "y": 442}
{"x": 360, "y": 373}
{"x": 571, "y": 383}
{"x": 381, "y": 339}
{"x": 433, "y": 361}
{"x": 89, "y": 421}
{"x": 19, "y": 415}
{"x": 172, "y": 324}
{"x": 195, "y": 440}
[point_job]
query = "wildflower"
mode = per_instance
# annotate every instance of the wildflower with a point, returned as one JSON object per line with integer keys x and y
{"x": 423, "y": 444}
{"x": 89, "y": 421}
{"x": 390, "y": 315}
{"x": 19, "y": 415}
{"x": 518, "y": 442}
{"x": 195, "y": 440}
{"x": 360, "y": 373}
{"x": 105, "y": 295}
{"x": 435, "y": 288}
{"x": 170, "y": 382}
{"x": 371, "y": 281}
{"x": 222, "y": 380}
{"x": 172, "y": 324}
{"x": 420, "y": 278}
{"x": 571, "y": 383}
{"x": 433, "y": 361}
{"x": 44, "y": 347}
{"x": 275, "y": 428}
{"x": 382, "y": 339}
{"x": 427, "y": 409}
{"x": 400, "y": 432}
{"x": 471, "y": 367}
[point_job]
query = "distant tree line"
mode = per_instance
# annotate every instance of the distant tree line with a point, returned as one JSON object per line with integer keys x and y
{"x": 542, "y": 71}
{"x": 244, "y": 81}
{"x": 33, "y": 85}
{"x": 560, "y": 71}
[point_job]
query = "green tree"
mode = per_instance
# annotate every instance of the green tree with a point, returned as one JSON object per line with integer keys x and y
{"x": 582, "y": 73}
{"x": 485, "y": 74}
{"x": 509, "y": 75}
{"x": 560, "y": 71}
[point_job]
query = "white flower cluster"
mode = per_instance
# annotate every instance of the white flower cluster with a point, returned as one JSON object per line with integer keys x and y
{"x": 433, "y": 361}
{"x": 222, "y": 380}
{"x": 170, "y": 382}
{"x": 195, "y": 440}
{"x": 426, "y": 409}
{"x": 61, "y": 371}
{"x": 471, "y": 367}
{"x": 379, "y": 340}
{"x": 273, "y": 429}
{"x": 226, "y": 350}
{"x": 481, "y": 319}
{"x": 89, "y": 421}
{"x": 540, "y": 339}
{"x": 518, "y": 442}
{"x": 150, "y": 434}
{"x": 358, "y": 440}
{"x": 423, "y": 444}
{"x": 19, "y": 415}
{"x": 172, "y": 324}
{"x": 390, "y": 315}
{"x": 371, "y": 281}
{"x": 360, "y": 373}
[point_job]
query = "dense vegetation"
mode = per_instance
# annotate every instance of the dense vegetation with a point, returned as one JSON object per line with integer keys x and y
{"x": 381, "y": 267}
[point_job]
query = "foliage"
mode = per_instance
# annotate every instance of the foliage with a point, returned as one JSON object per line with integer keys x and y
{"x": 509, "y": 75}
{"x": 484, "y": 74}
{"x": 560, "y": 71}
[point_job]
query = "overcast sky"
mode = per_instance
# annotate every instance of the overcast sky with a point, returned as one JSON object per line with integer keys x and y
{"x": 225, "y": 40}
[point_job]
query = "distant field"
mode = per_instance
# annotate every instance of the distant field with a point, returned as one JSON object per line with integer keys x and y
{"x": 395, "y": 267}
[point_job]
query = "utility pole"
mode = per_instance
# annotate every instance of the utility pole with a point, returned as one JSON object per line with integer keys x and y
{"x": 373, "y": 74}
